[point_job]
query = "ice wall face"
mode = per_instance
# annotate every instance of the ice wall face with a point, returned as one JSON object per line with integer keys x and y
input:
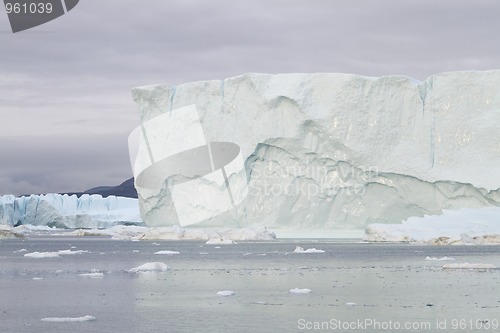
{"x": 63, "y": 211}
{"x": 439, "y": 133}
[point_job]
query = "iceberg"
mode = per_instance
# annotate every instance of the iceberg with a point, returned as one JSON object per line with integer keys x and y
{"x": 326, "y": 151}
{"x": 63, "y": 211}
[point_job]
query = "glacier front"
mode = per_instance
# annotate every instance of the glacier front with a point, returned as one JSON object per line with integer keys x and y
{"x": 64, "y": 211}
{"x": 340, "y": 151}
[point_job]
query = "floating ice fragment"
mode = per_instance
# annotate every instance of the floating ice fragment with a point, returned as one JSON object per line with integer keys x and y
{"x": 299, "y": 249}
{"x": 150, "y": 267}
{"x": 70, "y": 252}
{"x": 298, "y": 291}
{"x": 225, "y": 293}
{"x": 42, "y": 255}
{"x": 440, "y": 259}
{"x": 69, "y": 319}
{"x": 94, "y": 273}
{"x": 167, "y": 252}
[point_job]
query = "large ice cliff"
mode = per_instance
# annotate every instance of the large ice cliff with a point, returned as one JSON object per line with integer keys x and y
{"x": 341, "y": 151}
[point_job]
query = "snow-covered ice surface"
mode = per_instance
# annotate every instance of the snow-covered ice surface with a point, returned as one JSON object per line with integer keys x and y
{"x": 385, "y": 281}
{"x": 465, "y": 226}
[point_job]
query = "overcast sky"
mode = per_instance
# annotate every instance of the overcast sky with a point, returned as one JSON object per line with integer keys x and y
{"x": 65, "y": 104}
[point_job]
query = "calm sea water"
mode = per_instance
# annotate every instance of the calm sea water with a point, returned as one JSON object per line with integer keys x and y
{"x": 354, "y": 287}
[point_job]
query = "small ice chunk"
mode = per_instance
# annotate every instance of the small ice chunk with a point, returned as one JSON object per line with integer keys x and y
{"x": 42, "y": 255}
{"x": 350, "y": 304}
{"x": 299, "y": 249}
{"x": 69, "y": 319}
{"x": 298, "y": 291}
{"x": 167, "y": 252}
{"x": 150, "y": 267}
{"x": 70, "y": 252}
{"x": 38, "y": 278}
{"x": 20, "y": 251}
{"x": 225, "y": 293}
{"x": 94, "y": 273}
{"x": 440, "y": 259}
{"x": 136, "y": 251}
{"x": 222, "y": 241}
{"x": 469, "y": 266}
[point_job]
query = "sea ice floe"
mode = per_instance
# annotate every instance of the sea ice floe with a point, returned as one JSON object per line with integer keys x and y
{"x": 299, "y": 249}
{"x": 439, "y": 259}
{"x": 69, "y": 319}
{"x": 53, "y": 254}
{"x": 225, "y": 293}
{"x": 94, "y": 273}
{"x": 70, "y": 252}
{"x": 150, "y": 267}
{"x": 167, "y": 252}
{"x": 42, "y": 255}
{"x": 299, "y": 291}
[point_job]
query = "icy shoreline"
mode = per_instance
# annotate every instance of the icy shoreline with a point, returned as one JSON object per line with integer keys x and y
{"x": 121, "y": 232}
{"x": 453, "y": 227}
